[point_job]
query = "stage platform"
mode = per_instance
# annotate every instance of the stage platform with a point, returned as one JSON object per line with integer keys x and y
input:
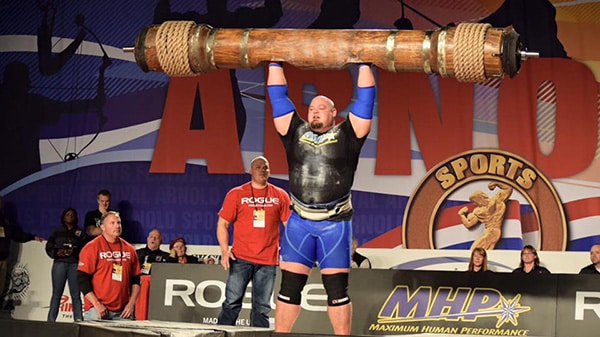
{"x": 23, "y": 328}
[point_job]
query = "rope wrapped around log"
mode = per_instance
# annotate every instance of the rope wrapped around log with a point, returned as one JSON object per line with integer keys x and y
{"x": 469, "y": 52}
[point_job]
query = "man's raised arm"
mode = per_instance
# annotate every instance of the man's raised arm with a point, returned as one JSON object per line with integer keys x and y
{"x": 278, "y": 94}
{"x": 361, "y": 113}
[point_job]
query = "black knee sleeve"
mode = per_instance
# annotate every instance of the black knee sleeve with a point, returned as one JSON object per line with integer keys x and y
{"x": 291, "y": 287}
{"x": 336, "y": 287}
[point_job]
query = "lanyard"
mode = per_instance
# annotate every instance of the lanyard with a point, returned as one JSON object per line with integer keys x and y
{"x": 113, "y": 253}
{"x": 264, "y": 200}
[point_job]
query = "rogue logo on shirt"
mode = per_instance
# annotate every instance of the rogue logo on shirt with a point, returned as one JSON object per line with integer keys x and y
{"x": 115, "y": 255}
{"x": 260, "y": 201}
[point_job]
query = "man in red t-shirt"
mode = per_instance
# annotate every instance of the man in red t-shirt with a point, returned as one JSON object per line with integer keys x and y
{"x": 109, "y": 273}
{"x": 256, "y": 209}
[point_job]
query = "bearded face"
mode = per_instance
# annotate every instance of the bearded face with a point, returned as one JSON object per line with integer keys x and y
{"x": 321, "y": 114}
{"x": 316, "y": 125}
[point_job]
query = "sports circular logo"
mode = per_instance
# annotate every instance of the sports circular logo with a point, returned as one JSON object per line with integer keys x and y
{"x": 504, "y": 172}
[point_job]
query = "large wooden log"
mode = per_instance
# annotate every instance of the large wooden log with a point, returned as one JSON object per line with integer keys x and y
{"x": 468, "y": 52}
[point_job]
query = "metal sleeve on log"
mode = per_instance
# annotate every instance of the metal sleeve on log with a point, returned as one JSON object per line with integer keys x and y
{"x": 469, "y": 52}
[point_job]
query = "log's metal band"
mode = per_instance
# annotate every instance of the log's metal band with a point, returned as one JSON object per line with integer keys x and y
{"x": 244, "y": 48}
{"x": 390, "y": 45}
{"x": 426, "y": 52}
{"x": 322, "y": 212}
{"x": 210, "y": 51}
{"x": 195, "y": 51}
{"x": 441, "y": 53}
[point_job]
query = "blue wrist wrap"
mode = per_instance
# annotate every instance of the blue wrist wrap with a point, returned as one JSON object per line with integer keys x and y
{"x": 281, "y": 103}
{"x": 365, "y": 100}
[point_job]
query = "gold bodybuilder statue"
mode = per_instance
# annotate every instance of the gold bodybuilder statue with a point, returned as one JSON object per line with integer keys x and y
{"x": 490, "y": 212}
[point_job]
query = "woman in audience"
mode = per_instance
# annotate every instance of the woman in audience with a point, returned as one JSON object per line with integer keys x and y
{"x": 178, "y": 250}
{"x": 530, "y": 262}
{"x": 63, "y": 246}
{"x": 479, "y": 261}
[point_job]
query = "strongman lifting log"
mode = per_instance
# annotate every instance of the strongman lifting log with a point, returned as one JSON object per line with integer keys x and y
{"x": 469, "y": 52}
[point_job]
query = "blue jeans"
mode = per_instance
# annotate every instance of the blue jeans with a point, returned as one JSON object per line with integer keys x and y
{"x": 92, "y": 315}
{"x": 62, "y": 273}
{"x": 240, "y": 274}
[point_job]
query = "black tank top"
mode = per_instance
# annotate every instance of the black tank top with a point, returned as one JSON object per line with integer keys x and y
{"x": 321, "y": 166}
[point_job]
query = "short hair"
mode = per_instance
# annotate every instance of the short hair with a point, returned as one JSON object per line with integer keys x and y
{"x": 104, "y": 192}
{"x": 259, "y": 158}
{"x": 329, "y": 100}
{"x": 160, "y": 236}
{"x": 105, "y": 215}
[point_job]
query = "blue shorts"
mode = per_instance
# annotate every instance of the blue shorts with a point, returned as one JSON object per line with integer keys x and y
{"x": 326, "y": 242}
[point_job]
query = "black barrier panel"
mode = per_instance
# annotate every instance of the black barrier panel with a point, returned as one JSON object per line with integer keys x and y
{"x": 194, "y": 293}
{"x": 412, "y": 302}
{"x": 578, "y": 305}
{"x": 21, "y": 328}
{"x": 401, "y": 302}
{"x": 188, "y": 293}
